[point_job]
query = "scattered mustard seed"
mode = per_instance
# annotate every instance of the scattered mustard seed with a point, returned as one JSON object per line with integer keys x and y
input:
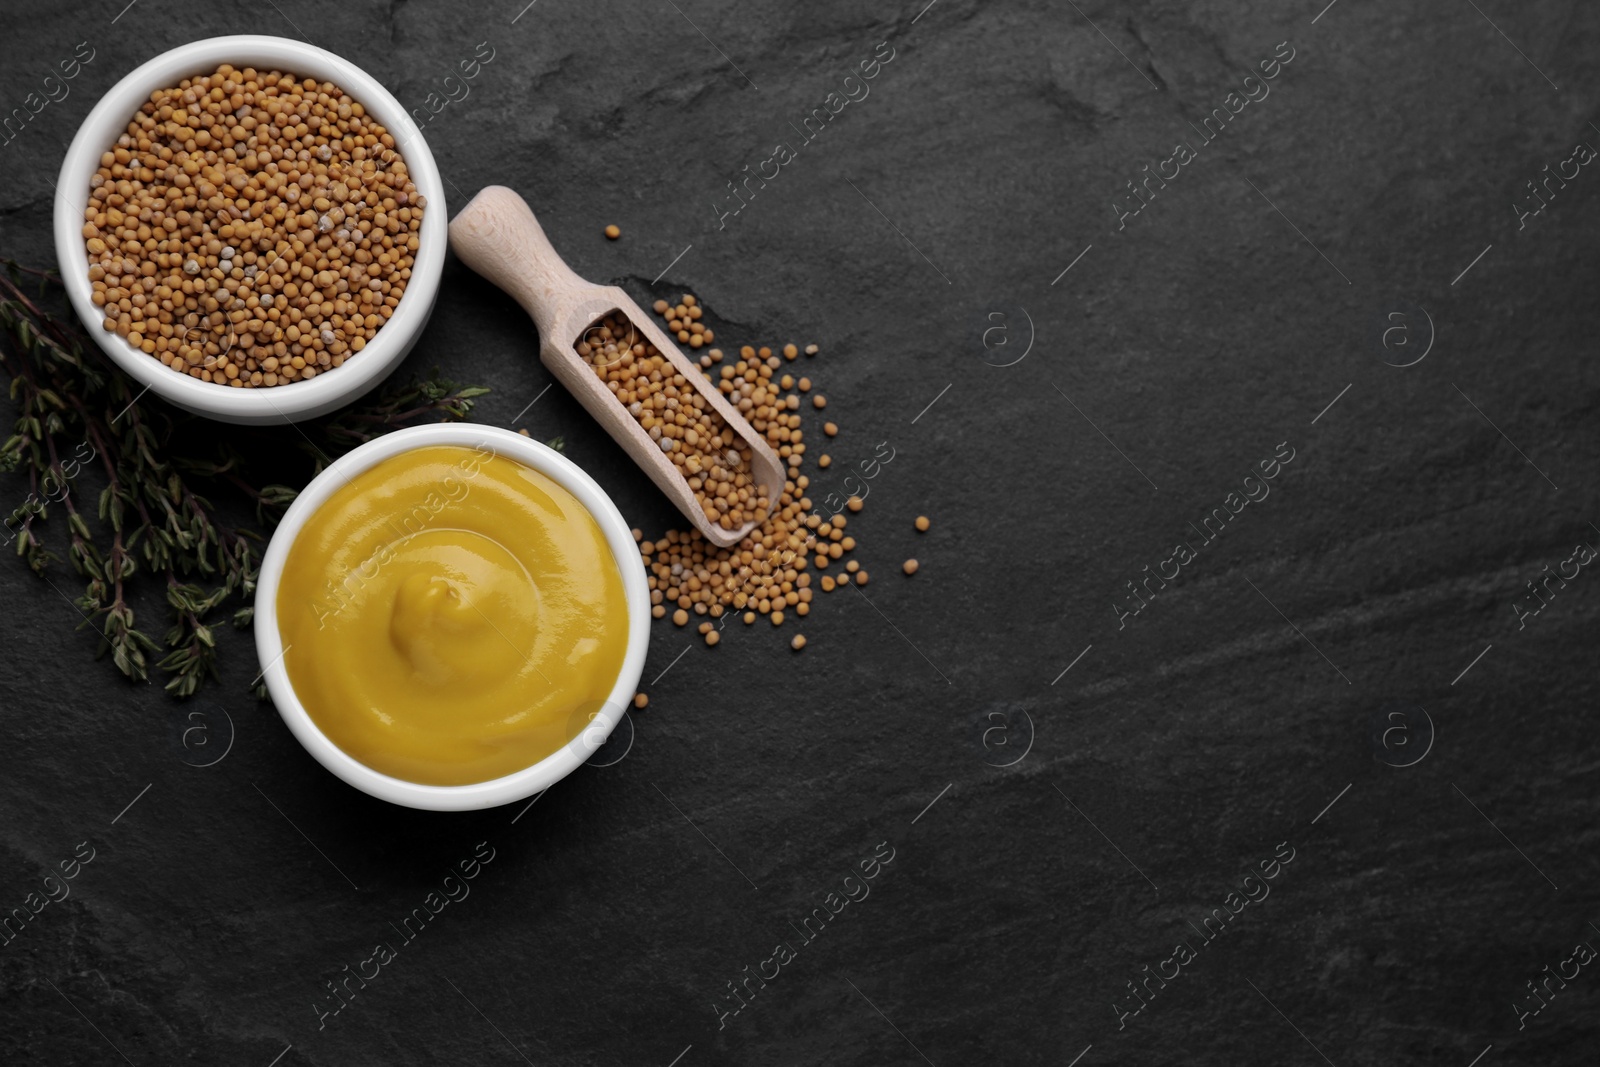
{"x": 922, "y": 523}
{"x": 824, "y": 461}
{"x": 855, "y": 503}
{"x": 640, "y": 700}
{"x": 712, "y": 638}
{"x": 613, "y": 232}
{"x": 830, "y": 429}
{"x": 798, "y": 643}
{"x": 861, "y": 577}
{"x": 909, "y": 566}
{"x": 680, "y": 617}
{"x": 771, "y": 570}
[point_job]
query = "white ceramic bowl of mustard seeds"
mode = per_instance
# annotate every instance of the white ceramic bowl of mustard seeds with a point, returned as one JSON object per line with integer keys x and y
{"x": 331, "y": 388}
{"x": 586, "y": 731}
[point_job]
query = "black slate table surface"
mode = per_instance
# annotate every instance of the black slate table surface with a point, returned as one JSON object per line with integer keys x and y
{"x": 1336, "y": 690}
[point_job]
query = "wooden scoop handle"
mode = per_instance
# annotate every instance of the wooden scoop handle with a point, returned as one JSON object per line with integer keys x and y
{"x": 497, "y": 236}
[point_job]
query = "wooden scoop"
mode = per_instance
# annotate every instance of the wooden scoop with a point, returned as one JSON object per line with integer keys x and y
{"x": 497, "y": 236}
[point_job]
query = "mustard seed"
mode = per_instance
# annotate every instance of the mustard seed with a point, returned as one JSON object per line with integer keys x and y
{"x": 613, "y": 232}
{"x": 640, "y": 700}
{"x": 861, "y": 577}
{"x": 712, "y": 638}
{"x": 855, "y": 503}
{"x": 909, "y": 566}
{"x": 251, "y": 229}
{"x": 922, "y": 523}
{"x": 717, "y": 463}
{"x": 824, "y": 461}
{"x": 772, "y": 569}
{"x": 798, "y": 642}
{"x": 790, "y": 351}
{"x": 680, "y": 617}
{"x": 830, "y": 429}
{"x": 811, "y": 350}
{"x": 819, "y": 402}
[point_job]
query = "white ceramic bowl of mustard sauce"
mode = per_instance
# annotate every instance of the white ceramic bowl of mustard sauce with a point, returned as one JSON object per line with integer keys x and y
{"x": 273, "y": 404}
{"x": 497, "y": 791}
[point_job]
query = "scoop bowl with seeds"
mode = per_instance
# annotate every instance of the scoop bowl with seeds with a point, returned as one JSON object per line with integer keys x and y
{"x": 252, "y": 228}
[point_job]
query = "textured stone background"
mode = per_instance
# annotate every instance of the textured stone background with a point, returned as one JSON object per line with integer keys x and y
{"x": 1220, "y": 722}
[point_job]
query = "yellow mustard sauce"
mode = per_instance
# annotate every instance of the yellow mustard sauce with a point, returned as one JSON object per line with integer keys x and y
{"x": 451, "y": 616}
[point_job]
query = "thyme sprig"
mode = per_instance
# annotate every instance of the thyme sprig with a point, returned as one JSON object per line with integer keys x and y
{"x": 159, "y": 471}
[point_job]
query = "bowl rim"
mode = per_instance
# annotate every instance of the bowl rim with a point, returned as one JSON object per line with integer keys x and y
{"x": 282, "y": 403}
{"x": 496, "y": 791}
